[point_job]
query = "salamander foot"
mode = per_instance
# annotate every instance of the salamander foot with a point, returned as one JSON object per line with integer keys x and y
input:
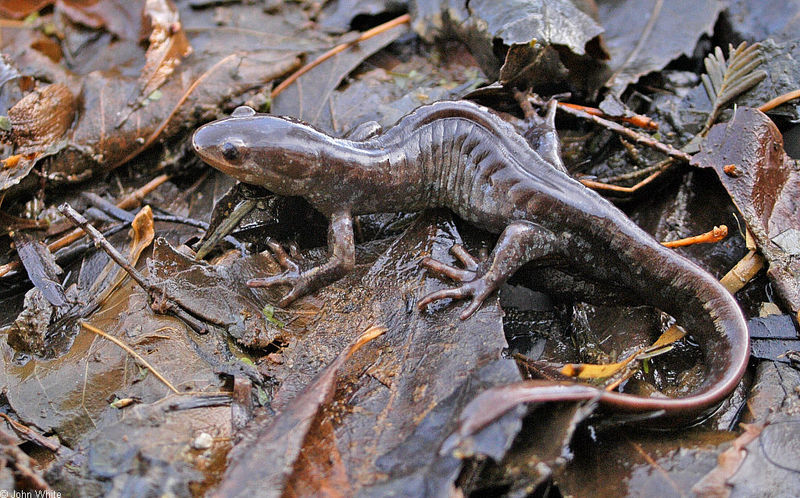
{"x": 474, "y": 286}
{"x": 290, "y": 276}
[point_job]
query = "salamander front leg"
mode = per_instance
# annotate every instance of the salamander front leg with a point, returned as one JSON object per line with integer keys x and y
{"x": 341, "y": 260}
{"x": 520, "y": 242}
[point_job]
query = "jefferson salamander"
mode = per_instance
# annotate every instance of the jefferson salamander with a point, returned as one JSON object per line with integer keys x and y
{"x": 460, "y": 156}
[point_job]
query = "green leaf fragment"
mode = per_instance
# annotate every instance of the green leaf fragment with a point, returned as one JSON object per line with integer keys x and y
{"x": 269, "y": 314}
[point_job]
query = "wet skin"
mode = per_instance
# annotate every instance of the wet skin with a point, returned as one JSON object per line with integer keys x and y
{"x": 460, "y": 156}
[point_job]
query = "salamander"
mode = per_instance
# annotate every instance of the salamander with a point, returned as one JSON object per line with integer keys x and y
{"x": 459, "y": 155}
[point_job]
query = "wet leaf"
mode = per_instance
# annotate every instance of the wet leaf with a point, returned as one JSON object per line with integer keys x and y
{"x": 379, "y": 399}
{"x": 527, "y": 27}
{"x": 747, "y": 154}
{"x": 94, "y": 143}
{"x": 772, "y": 336}
{"x": 757, "y": 20}
{"x": 41, "y": 268}
{"x": 282, "y": 440}
{"x": 41, "y": 118}
{"x": 783, "y": 74}
{"x": 218, "y": 294}
{"x": 630, "y": 463}
{"x": 772, "y": 396}
{"x": 419, "y": 467}
{"x": 17, "y": 9}
{"x": 338, "y": 16}
{"x": 537, "y": 454}
{"x": 542, "y": 22}
{"x": 645, "y": 35}
{"x": 308, "y": 98}
{"x": 68, "y": 395}
{"x": 120, "y": 17}
{"x": 151, "y": 449}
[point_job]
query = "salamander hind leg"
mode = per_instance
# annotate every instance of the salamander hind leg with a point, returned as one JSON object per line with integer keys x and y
{"x": 520, "y": 242}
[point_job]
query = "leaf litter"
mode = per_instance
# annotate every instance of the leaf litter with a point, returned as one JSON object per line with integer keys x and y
{"x": 387, "y": 427}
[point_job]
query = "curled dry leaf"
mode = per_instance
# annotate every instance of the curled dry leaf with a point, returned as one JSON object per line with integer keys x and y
{"x": 168, "y": 46}
{"x": 41, "y": 117}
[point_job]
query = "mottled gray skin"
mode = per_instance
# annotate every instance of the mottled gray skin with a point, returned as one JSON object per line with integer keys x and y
{"x": 460, "y": 156}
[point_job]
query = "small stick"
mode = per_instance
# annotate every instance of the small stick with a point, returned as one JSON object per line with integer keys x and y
{"x": 625, "y": 190}
{"x": 131, "y": 352}
{"x": 633, "y": 135}
{"x": 337, "y": 49}
{"x": 781, "y": 99}
{"x": 29, "y": 434}
{"x": 639, "y": 120}
{"x": 101, "y": 241}
{"x": 715, "y": 235}
{"x": 153, "y": 291}
{"x": 632, "y": 175}
{"x": 743, "y": 271}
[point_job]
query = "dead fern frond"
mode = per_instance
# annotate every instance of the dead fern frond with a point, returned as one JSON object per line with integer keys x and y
{"x": 724, "y": 81}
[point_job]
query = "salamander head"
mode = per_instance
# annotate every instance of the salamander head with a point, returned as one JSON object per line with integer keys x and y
{"x": 275, "y": 152}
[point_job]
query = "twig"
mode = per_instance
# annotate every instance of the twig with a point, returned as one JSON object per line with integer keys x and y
{"x": 743, "y": 271}
{"x": 31, "y": 435}
{"x": 169, "y": 304}
{"x": 337, "y": 49}
{"x": 632, "y": 175}
{"x": 632, "y": 135}
{"x": 639, "y": 120}
{"x": 131, "y": 352}
{"x": 715, "y": 235}
{"x": 128, "y": 202}
{"x": 100, "y": 241}
{"x": 624, "y": 190}
{"x": 781, "y": 99}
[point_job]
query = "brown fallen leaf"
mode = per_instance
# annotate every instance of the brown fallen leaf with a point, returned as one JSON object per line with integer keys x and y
{"x": 168, "y": 46}
{"x": 714, "y": 484}
{"x": 281, "y": 439}
{"x": 765, "y": 188}
{"x": 119, "y": 17}
{"x": 40, "y": 118}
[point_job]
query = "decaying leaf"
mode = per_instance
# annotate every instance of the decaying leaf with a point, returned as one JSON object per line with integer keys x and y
{"x": 41, "y": 118}
{"x": 218, "y": 294}
{"x": 516, "y": 23}
{"x": 714, "y": 483}
{"x": 379, "y": 399}
{"x": 308, "y": 98}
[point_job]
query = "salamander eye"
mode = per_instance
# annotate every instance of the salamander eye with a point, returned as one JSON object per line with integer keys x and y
{"x": 230, "y": 151}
